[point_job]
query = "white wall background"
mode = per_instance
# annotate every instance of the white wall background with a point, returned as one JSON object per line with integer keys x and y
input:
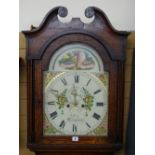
{"x": 121, "y": 13}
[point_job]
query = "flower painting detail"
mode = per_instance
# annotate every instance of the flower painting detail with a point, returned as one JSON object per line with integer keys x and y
{"x": 76, "y": 57}
{"x": 77, "y": 60}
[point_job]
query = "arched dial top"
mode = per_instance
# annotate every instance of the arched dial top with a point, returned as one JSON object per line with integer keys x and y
{"x": 75, "y": 103}
{"x": 76, "y": 56}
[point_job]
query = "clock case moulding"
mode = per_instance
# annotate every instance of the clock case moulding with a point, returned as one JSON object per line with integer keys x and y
{"x": 42, "y": 42}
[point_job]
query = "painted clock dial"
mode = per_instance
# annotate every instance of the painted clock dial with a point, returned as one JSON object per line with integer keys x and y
{"x": 75, "y": 103}
{"x": 75, "y": 92}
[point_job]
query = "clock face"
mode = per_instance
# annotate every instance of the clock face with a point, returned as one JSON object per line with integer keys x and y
{"x": 75, "y": 93}
{"x": 75, "y": 103}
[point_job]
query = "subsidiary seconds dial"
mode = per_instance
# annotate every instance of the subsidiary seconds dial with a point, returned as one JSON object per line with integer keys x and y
{"x": 75, "y": 103}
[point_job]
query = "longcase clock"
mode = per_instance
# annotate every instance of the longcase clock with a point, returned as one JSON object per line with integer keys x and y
{"x": 75, "y": 85}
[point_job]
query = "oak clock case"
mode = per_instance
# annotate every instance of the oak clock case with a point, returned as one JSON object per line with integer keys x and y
{"x": 75, "y": 85}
